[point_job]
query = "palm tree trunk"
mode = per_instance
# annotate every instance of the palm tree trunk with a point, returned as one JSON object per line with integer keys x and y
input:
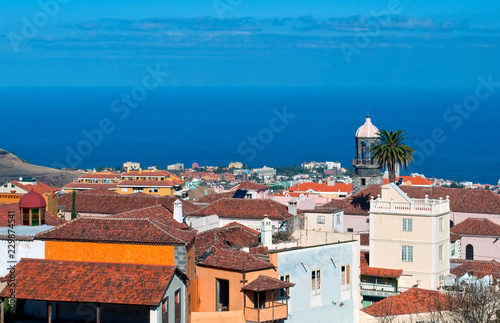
{"x": 392, "y": 173}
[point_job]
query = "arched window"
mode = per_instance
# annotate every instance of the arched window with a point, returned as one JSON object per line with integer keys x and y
{"x": 451, "y": 224}
{"x": 469, "y": 252}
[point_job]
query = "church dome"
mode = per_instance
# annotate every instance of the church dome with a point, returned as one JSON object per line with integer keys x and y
{"x": 368, "y": 130}
{"x": 32, "y": 200}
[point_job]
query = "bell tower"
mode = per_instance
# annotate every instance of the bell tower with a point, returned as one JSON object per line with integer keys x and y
{"x": 366, "y": 170}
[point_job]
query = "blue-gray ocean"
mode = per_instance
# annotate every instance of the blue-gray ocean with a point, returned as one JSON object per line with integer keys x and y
{"x": 90, "y": 127}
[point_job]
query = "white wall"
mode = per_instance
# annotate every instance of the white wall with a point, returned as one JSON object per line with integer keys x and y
{"x": 24, "y": 249}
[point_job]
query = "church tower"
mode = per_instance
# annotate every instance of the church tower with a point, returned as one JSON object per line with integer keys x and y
{"x": 366, "y": 170}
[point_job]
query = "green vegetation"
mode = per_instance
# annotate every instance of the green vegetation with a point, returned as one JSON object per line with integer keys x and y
{"x": 289, "y": 171}
{"x": 391, "y": 151}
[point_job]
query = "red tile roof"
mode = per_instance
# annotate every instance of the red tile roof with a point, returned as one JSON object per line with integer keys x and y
{"x": 39, "y": 187}
{"x": 4, "y": 216}
{"x": 235, "y": 260}
{"x": 90, "y": 202}
{"x": 366, "y": 270}
{"x": 90, "y": 186}
{"x": 412, "y": 180}
{"x": 165, "y": 183}
{"x": 323, "y": 188}
{"x": 90, "y": 282}
{"x": 461, "y": 200}
{"x": 245, "y": 209}
{"x": 101, "y": 176}
{"x": 477, "y": 227}
{"x": 233, "y": 235}
{"x": 478, "y": 269}
{"x": 111, "y": 230}
{"x": 156, "y": 213}
{"x": 251, "y": 186}
{"x": 263, "y": 283}
{"x": 412, "y": 301}
{"x": 215, "y": 197}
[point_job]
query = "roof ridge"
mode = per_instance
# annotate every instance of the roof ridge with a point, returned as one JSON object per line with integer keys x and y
{"x": 155, "y": 223}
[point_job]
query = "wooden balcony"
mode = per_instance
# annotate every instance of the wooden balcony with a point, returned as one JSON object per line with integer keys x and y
{"x": 378, "y": 290}
{"x": 277, "y": 311}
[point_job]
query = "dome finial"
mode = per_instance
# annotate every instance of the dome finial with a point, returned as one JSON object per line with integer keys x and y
{"x": 367, "y": 113}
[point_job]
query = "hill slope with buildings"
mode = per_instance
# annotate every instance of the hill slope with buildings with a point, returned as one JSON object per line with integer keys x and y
{"x": 13, "y": 167}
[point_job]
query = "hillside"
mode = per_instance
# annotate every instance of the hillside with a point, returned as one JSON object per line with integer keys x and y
{"x": 12, "y": 167}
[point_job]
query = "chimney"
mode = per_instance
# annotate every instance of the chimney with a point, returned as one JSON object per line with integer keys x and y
{"x": 266, "y": 232}
{"x": 178, "y": 216}
{"x": 292, "y": 207}
{"x": 320, "y": 182}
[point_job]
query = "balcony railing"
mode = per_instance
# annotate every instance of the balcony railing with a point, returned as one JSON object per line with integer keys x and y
{"x": 380, "y": 290}
{"x": 278, "y": 311}
{"x": 367, "y": 162}
{"x": 430, "y": 207}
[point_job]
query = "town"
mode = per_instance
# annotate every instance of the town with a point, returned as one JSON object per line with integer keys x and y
{"x": 314, "y": 242}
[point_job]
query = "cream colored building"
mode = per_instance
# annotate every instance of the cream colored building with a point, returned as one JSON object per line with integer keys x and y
{"x": 412, "y": 235}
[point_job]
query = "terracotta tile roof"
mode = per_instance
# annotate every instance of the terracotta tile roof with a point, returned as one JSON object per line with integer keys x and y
{"x": 454, "y": 237}
{"x": 156, "y": 213}
{"x": 70, "y": 281}
{"x": 477, "y": 227}
{"x": 412, "y": 301}
{"x": 245, "y": 209}
{"x": 111, "y": 230}
{"x": 412, "y": 180}
{"x": 366, "y": 270}
{"x": 215, "y": 197}
{"x": 461, "y": 200}
{"x": 259, "y": 250}
{"x": 235, "y": 260}
{"x": 101, "y": 176}
{"x": 364, "y": 239}
{"x": 233, "y": 235}
{"x": 90, "y": 186}
{"x": 39, "y": 187}
{"x": 263, "y": 283}
{"x": 90, "y": 202}
{"x": 4, "y": 216}
{"x": 251, "y": 186}
{"x": 478, "y": 269}
{"x": 166, "y": 183}
{"x": 323, "y": 187}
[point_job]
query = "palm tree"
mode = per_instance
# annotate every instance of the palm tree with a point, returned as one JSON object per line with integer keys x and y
{"x": 391, "y": 151}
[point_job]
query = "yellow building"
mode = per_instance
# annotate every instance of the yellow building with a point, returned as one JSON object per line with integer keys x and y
{"x": 152, "y": 182}
{"x": 412, "y": 235}
{"x": 88, "y": 181}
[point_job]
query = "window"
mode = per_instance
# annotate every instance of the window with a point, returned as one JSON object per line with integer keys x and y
{"x": 350, "y": 230}
{"x": 441, "y": 253}
{"x": 320, "y": 219}
{"x": 440, "y": 224}
{"x": 138, "y": 189}
{"x": 407, "y": 253}
{"x": 153, "y": 190}
{"x": 441, "y": 280}
{"x": 124, "y": 189}
{"x": 285, "y": 291}
{"x": 363, "y": 182}
{"x": 345, "y": 275}
{"x": 469, "y": 252}
{"x": 407, "y": 224}
{"x": 452, "y": 249}
{"x": 316, "y": 282}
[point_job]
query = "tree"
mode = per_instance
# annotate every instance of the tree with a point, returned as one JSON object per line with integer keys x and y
{"x": 391, "y": 151}
{"x": 73, "y": 205}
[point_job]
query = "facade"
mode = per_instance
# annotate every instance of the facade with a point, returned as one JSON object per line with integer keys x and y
{"x": 178, "y": 166}
{"x": 152, "y": 182}
{"x": 366, "y": 169}
{"x": 326, "y": 281}
{"x": 329, "y": 189}
{"x": 251, "y": 190}
{"x": 325, "y": 220}
{"x": 94, "y": 180}
{"x": 475, "y": 239}
{"x": 412, "y": 235}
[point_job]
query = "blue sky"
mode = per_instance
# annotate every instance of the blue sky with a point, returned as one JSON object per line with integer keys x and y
{"x": 250, "y": 42}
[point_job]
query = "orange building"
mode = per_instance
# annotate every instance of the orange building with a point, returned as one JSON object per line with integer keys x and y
{"x": 123, "y": 240}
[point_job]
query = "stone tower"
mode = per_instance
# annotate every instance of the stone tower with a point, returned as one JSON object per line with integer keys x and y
{"x": 366, "y": 171}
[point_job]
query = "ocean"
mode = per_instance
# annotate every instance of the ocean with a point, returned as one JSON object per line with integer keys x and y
{"x": 453, "y": 130}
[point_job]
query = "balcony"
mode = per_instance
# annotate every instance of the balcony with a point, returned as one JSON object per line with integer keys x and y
{"x": 417, "y": 206}
{"x": 365, "y": 162}
{"x": 277, "y": 311}
{"x": 378, "y": 290}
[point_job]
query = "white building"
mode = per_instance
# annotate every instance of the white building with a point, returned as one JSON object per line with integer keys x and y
{"x": 412, "y": 235}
